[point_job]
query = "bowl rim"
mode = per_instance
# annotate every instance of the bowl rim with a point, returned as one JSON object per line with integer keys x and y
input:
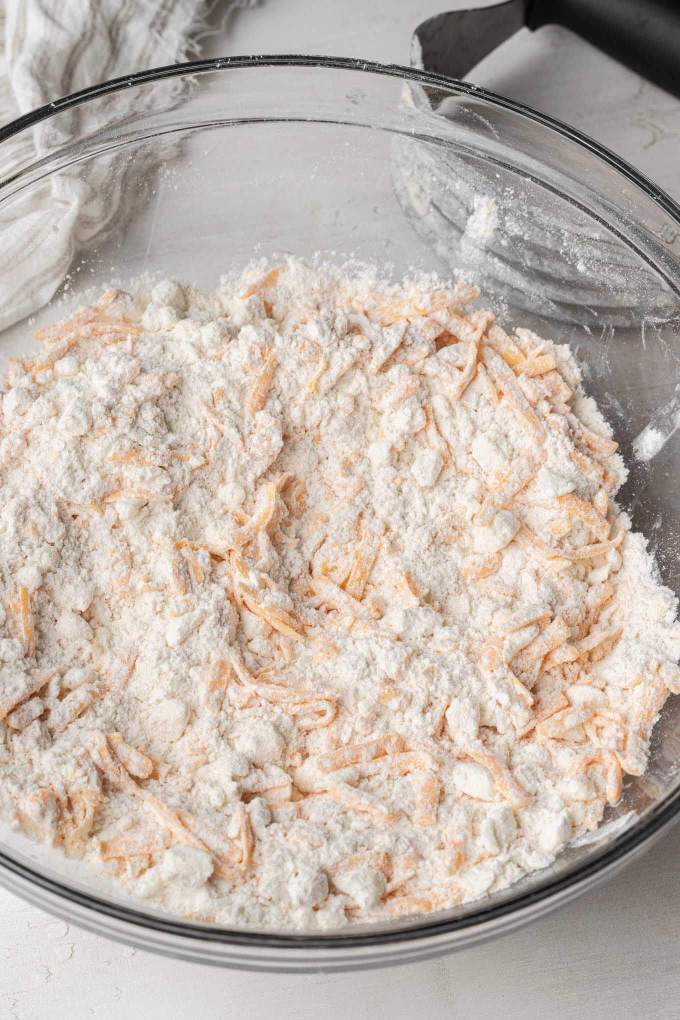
{"x": 552, "y": 888}
{"x": 416, "y": 75}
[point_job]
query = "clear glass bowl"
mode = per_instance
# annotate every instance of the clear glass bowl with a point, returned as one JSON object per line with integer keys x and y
{"x": 219, "y": 159}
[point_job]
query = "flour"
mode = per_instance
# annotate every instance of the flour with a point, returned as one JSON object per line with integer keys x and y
{"x": 482, "y": 222}
{"x": 315, "y": 603}
{"x": 658, "y": 431}
{"x": 648, "y": 443}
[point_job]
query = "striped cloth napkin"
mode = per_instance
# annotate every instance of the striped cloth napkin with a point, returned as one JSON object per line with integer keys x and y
{"x": 48, "y": 50}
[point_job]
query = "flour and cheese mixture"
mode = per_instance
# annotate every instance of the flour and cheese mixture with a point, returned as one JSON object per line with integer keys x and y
{"x": 315, "y": 605}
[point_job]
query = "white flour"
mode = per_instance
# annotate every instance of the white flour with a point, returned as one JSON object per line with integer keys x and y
{"x": 648, "y": 443}
{"x": 482, "y": 222}
{"x": 315, "y": 605}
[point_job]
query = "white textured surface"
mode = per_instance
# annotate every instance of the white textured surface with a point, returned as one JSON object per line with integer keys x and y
{"x": 612, "y": 953}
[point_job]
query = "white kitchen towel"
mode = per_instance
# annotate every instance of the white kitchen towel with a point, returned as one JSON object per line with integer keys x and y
{"x": 52, "y": 49}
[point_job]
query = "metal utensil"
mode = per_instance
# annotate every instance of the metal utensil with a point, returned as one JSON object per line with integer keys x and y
{"x": 643, "y": 34}
{"x": 470, "y": 210}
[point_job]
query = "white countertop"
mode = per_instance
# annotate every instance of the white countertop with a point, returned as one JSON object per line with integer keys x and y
{"x": 611, "y": 954}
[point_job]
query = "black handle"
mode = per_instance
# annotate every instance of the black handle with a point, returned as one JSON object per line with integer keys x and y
{"x": 643, "y": 34}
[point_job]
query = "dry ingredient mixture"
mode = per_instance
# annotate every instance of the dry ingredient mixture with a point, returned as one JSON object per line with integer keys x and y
{"x": 315, "y": 604}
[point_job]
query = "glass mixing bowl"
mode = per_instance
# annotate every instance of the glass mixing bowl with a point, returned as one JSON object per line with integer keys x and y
{"x": 198, "y": 166}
